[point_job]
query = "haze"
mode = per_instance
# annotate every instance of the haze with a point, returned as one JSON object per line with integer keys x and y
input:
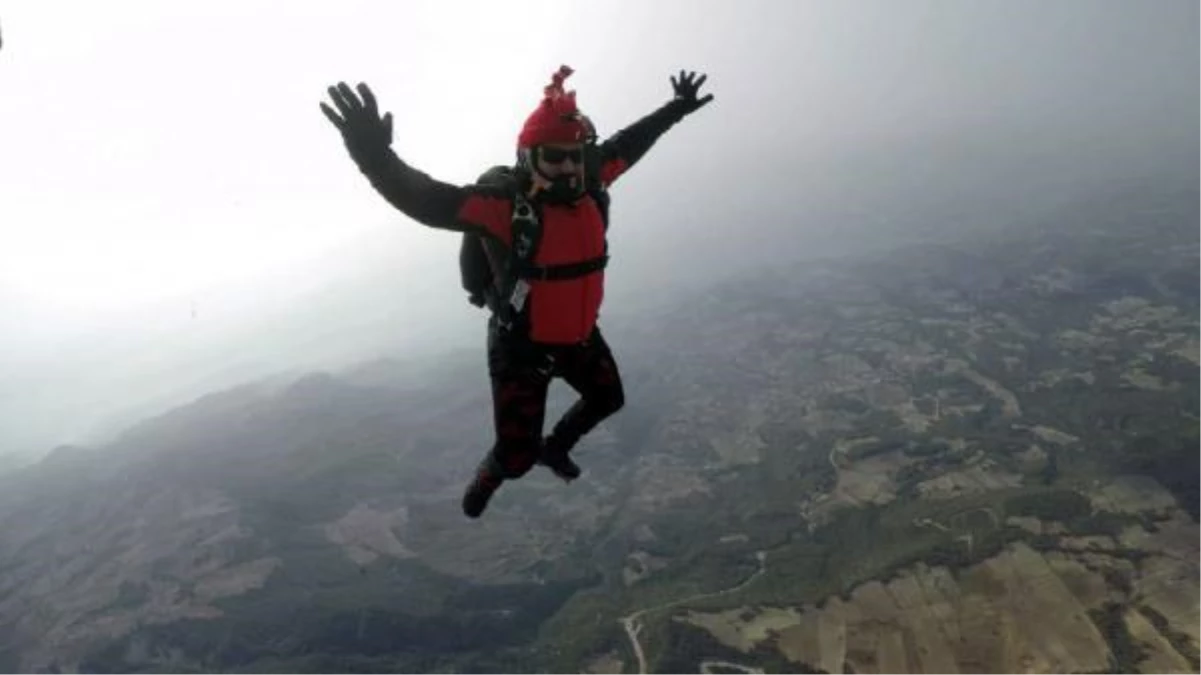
{"x": 177, "y": 216}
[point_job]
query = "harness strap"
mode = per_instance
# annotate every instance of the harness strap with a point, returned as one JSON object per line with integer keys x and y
{"x": 520, "y": 270}
{"x": 561, "y": 272}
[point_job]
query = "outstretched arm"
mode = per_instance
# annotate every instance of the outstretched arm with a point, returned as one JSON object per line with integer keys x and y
{"x": 623, "y": 149}
{"x": 431, "y": 202}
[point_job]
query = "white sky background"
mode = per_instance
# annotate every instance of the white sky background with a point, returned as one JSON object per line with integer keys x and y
{"x": 152, "y": 148}
{"x": 157, "y": 157}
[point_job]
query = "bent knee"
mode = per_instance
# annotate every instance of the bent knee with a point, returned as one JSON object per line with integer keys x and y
{"x": 517, "y": 456}
{"x": 613, "y": 400}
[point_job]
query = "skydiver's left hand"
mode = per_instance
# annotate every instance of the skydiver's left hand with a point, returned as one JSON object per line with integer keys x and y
{"x": 686, "y": 87}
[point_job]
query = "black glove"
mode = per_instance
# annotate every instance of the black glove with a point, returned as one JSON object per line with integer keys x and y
{"x": 686, "y": 90}
{"x": 366, "y": 134}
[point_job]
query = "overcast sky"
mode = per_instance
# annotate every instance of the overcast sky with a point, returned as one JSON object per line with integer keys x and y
{"x": 168, "y": 186}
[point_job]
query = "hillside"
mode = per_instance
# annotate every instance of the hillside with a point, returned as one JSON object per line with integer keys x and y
{"x": 958, "y": 457}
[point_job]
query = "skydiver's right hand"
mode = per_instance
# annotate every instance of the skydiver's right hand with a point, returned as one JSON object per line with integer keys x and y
{"x": 367, "y": 135}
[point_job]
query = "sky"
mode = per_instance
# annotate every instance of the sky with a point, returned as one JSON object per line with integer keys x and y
{"x": 176, "y": 215}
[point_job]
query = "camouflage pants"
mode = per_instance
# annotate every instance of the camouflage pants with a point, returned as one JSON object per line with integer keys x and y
{"x": 521, "y": 373}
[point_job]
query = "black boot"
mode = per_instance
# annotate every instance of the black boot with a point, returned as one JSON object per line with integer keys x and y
{"x": 480, "y": 490}
{"x": 558, "y": 461}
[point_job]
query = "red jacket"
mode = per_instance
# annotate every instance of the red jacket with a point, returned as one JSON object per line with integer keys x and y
{"x": 560, "y": 312}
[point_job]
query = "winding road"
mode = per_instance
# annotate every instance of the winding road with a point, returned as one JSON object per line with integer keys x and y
{"x": 708, "y": 666}
{"x": 632, "y": 627}
{"x": 967, "y": 537}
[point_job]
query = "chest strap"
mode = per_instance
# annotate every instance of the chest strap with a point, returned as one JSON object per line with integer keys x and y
{"x": 561, "y": 272}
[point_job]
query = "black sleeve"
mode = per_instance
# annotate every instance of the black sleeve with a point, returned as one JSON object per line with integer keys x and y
{"x": 631, "y": 143}
{"x": 420, "y": 197}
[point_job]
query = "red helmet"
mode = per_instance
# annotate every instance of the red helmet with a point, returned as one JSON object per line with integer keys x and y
{"x": 556, "y": 119}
